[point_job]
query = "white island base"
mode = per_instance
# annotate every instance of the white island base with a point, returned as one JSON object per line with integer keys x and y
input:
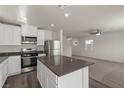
{"x": 76, "y": 79}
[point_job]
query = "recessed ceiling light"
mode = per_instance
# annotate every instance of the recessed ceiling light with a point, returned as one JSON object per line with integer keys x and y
{"x": 66, "y": 14}
{"x": 96, "y": 32}
{"x": 52, "y": 25}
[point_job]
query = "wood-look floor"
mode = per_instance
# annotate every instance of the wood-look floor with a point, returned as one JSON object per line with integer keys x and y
{"x": 29, "y": 80}
{"x": 26, "y": 80}
{"x": 97, "y": 84}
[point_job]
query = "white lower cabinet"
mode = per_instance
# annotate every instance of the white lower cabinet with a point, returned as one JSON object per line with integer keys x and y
{"x": 14, "y": 65}
{"x": 44, "y": 76}
{"x": 3, "y": 72}
{"x": 51, "y": 83}
{"x": 10, "y": 66}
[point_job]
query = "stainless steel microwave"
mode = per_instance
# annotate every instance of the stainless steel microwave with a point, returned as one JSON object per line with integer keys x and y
{"x": 29, "y": 39}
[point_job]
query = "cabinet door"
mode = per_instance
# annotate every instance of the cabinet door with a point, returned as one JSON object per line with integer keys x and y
{"x": 39, "y": 72}
{"x": 47, "y": 35}
{"x": 14, "y": 65}
{"x": 0, "y": 77}
{"x": 43, "y": 79}
{"x": 3, "y": 72}
{"x": 6, "y": 34}
{"x": 33, "y": 30}
{"x": 28, "y": 30}
{"x": 43, "y": 76}
{"x": 46, "y": 78}
{"x": 10, "y": 35}
{"x": 40, "y": 39}
{"x": 24, "y": 30}
{"x": 50, "y": 82}
{"x": 1, "y": 35}
{"x": 16, "y": 35}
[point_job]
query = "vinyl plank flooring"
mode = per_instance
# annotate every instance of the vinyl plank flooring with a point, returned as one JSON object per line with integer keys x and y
{"x": 106, "y": 72}
{"x": 26, "y": 80}
{"x": 96, "y": 84}
{"x": 29, "y": 80}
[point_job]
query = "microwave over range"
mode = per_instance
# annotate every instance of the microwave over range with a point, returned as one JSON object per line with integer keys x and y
{"x": 29, "y": 39}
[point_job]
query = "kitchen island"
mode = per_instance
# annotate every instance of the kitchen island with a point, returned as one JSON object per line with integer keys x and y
{"x": 62, "y": 72}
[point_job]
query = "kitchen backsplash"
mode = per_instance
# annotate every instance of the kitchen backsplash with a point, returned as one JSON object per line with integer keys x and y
{"x": 14, "y": 48}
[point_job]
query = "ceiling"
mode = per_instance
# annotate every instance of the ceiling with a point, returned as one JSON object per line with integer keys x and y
{"x": 82, "y": 19}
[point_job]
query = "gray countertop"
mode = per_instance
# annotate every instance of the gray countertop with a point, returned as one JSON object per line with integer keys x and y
{"x": 5, "y": 55}
{"x": 3, "y": 58}
{"x": 61, "y": 65}
{"x": 13, "y": 53}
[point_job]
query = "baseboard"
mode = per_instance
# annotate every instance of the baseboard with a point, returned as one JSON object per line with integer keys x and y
{"x": 100, "y": 82}
{"x": 15, "y": 73}
{"x": 99, "y": 59}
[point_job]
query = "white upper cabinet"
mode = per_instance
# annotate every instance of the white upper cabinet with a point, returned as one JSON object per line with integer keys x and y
{"x": 28, "y": 30}
{"x": 16, "y": 32}
{"x": 10, "y": 35}
{"x": 40, "y": 37}
{"x": 47, "y": 35}
{"x": 56, "y": 35}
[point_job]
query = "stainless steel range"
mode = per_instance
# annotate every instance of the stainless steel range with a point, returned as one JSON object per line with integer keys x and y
{"x": 28, "y": 59}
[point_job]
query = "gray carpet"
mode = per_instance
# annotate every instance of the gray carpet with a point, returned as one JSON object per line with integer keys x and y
{"x": 106, "y": 72}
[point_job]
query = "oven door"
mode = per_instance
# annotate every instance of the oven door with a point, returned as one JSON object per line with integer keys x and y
{"x": 28, "y": 62}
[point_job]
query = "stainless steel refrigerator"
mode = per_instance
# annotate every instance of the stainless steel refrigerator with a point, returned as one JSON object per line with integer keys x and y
{"x": 52, "y": 47}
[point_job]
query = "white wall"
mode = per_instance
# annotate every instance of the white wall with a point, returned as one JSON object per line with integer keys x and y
{"x": 67, "y": 47}
{"x": 56, "y": 35}
{"x": 108, "y": 46}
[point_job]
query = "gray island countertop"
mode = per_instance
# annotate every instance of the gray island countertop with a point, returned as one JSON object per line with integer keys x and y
{"x": 3, "y": 58}
{"x": 61, "y": 65}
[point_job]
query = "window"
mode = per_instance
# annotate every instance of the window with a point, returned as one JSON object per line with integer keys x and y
{"x": 87, "y": 42}
{"x": 89, "y": 45}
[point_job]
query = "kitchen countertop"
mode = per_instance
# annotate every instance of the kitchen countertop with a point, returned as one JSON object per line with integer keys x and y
{"x": 5, "y": 55}
{"x": 61, "y": 65}
{"x": 13, "y": 53}
{"x": 3, "y": 58}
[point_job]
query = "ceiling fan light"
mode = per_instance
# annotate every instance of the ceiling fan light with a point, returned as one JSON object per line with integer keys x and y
{"x": 62, "y": 6}
{"x": 98, "y": 33}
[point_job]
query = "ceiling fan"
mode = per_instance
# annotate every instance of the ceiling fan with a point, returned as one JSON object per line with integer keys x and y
{"x": 62, "y": 6}
{"x": 95, "y": 32}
